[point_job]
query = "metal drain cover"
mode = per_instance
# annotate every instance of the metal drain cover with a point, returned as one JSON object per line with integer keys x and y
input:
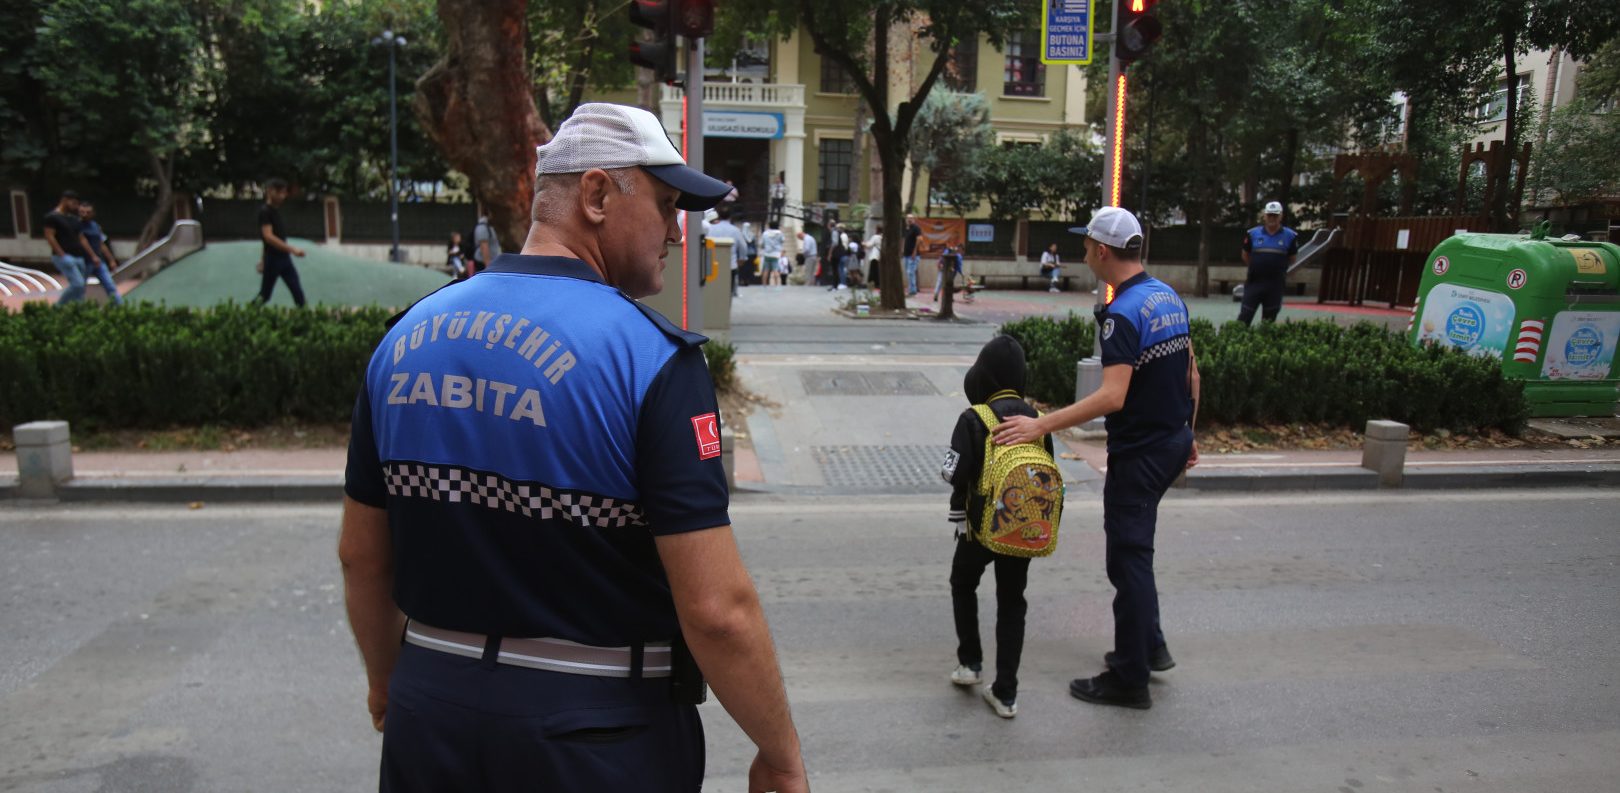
{"x": 852, "y": 383}
{"x": 877, "y": 467}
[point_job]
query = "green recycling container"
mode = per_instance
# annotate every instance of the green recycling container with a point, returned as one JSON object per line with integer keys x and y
{"x": 1548, "y": 309}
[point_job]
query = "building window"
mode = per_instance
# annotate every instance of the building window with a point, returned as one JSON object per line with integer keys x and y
{"x": 836, "y": 157}
{"x": 962, "y": 69}
{"x": 1494, "y": 108}
{"x": 834, "y": 80}
{"x": 1023, "y": 74}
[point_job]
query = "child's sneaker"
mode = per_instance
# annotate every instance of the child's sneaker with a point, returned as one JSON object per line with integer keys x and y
{"x": 1005, "y": 710}
{"x": 965, "y": 676}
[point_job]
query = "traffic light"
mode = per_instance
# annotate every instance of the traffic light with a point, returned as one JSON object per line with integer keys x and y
{"x": 1136, "y": 27}
{"x": 659, "y": 53}
{"x": 694, "y": 19}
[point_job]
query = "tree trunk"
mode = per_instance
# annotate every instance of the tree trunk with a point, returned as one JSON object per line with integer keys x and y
{"x": 163, "y": 172}
{"x": 892, "y": 275}
{"x": 1205, "y": 210}
{"x": 478, "y": 106}
{"x": 1290, "y": 157}
{"x": 1500, "y": 179}
{"x": 857, "y": 153}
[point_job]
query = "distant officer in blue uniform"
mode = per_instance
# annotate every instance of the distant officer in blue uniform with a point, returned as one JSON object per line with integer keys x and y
{"x": 1150, "y": 395}
{"x": 535, "y": 544}
{"x": 1269, "y": 249}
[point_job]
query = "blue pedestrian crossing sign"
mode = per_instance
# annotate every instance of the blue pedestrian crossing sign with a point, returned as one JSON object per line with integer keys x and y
{"x": 1066, "y": 31}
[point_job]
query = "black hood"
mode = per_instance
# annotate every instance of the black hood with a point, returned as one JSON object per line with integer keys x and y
{"x": 1000, "y": 368}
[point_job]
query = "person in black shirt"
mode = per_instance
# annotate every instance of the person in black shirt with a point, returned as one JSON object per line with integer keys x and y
{"x": 277, "y": 262}
{"x": 69, "y": 251}
{"x": 909, "y": 253}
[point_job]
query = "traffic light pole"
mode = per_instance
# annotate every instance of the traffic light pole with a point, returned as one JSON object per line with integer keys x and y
{"x": 1088, "y": 373}
{"x": 694, "y": 159}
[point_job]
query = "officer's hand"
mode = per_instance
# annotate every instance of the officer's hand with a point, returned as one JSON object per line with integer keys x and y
{"x": 377, "y": 703}
{"x": 299, "y": 252}
{"x": 1018, "y": 429}
{"x": 1192, "y": 459}
{"x": 764, "y": 778}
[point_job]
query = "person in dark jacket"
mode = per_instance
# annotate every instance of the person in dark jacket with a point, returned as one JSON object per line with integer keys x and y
{"x": 995, "y": 379}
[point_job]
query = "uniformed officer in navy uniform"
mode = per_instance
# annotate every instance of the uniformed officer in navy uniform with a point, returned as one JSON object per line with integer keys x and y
{"x": 536, "y": 527}
{"x": 1269, "y": 249}
{"x": 1150, "y": 395}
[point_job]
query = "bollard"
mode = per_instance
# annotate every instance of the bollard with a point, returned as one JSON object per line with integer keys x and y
{"x": 44, "y": 457}
{"x": 1087, "y": 379}
{"x": 1383, "y": 449}
{"x": 728, "y": 460}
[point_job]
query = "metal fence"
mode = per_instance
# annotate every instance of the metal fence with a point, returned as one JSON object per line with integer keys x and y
{"x": 369, "y": 222}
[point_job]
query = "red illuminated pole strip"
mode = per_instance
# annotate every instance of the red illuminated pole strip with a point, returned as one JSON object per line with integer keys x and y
{"x": 1118, "y": 163}
{"x": 685, "y": 281}
{"x": 1119, "y": 140}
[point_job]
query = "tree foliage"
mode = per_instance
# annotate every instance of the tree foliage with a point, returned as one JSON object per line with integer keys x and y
{"x": 951, "y": 128}
{"x": 152, "y": 96}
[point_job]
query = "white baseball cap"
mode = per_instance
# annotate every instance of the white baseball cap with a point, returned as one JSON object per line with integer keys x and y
{"x": 1114, "y": 227}
{"x": 608, "y": 136}
{"x": 1273, "y": 208}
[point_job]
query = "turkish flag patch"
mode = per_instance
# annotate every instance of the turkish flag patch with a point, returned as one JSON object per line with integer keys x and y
{"x": 707, "y": 429}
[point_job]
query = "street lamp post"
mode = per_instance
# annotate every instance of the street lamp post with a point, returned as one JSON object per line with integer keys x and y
{"x": 392, "y": 42}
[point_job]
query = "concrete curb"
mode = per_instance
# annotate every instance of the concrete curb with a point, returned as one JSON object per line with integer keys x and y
{"x": 1350, "y": 477}
{"x": 207, "y": 489}
{"x": 1250, "y": 480}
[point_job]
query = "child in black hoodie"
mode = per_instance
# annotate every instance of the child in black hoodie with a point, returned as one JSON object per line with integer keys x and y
{"x": 996, "y": 379}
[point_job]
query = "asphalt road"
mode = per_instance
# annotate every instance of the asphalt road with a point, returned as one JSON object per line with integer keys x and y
{"x": 1359, "y": 642}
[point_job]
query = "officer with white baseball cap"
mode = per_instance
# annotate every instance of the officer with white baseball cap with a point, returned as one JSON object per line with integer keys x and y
{"x": 1269, "y": 250}
{"x": 536, "y": 546}
{"x": 1149, "y": 395}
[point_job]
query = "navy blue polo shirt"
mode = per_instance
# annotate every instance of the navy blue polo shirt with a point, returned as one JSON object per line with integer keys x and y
{"x": 1269, "y": 253}
{"x": 1146, "y": 328}
{"x": 530, "y": 431}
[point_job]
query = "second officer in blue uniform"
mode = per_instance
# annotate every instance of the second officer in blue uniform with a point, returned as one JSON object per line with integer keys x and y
{"x": 1269, "y": 250}
{"x": 1149, "y": 394}
{"x": 536, "y": 546}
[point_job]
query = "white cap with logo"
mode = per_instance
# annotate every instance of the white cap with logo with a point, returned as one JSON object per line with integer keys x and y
{"x": 1273, "y": 207}
{"x": 608, "y": 136}
{"x": 1114, "y": 227}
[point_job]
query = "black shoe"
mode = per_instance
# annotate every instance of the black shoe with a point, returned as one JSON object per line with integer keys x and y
{"x": 1159, "y": 660}
{"x": 1106, "y": 689}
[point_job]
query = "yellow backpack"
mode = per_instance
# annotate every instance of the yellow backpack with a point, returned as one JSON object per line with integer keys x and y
{"x": 1023, "y": 495}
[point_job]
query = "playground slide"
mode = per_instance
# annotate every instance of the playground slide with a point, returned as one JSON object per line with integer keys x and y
{"x": 1319, "y": 242}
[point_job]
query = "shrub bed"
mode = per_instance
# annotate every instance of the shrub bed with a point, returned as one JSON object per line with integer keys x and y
{"x": 1316, "y": 372}
{"x": 151, "y": 367}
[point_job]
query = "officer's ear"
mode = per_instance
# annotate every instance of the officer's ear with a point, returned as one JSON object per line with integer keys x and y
{"x": 595, "y": 186}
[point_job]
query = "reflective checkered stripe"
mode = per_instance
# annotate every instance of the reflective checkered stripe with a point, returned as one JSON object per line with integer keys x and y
{"x": 530, "y": 499}
{"x": 1163, "y": 349}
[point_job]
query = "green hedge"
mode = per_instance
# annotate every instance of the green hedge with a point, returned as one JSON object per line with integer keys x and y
{"x": 1316, "y": 372}
{"x": 146, "y": 366}
{"x": 151, "y": 367}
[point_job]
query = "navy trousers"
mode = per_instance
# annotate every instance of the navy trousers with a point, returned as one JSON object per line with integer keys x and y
{"x": 1136, "y": 481}
{"x": 1264, "y": 292}
{"x": 466, "y": 724}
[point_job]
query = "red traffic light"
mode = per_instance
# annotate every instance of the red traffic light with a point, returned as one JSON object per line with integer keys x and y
{"x": 659, "y": 54}
{"x": 1136, "y": 27}
{"x": 694, "y": 19}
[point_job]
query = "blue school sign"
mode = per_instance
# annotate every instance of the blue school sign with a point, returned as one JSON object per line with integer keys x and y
{"x": 1066, "y": 31}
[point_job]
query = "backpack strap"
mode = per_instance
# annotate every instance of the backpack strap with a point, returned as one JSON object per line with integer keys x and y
{"x": 987, "y": 416}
